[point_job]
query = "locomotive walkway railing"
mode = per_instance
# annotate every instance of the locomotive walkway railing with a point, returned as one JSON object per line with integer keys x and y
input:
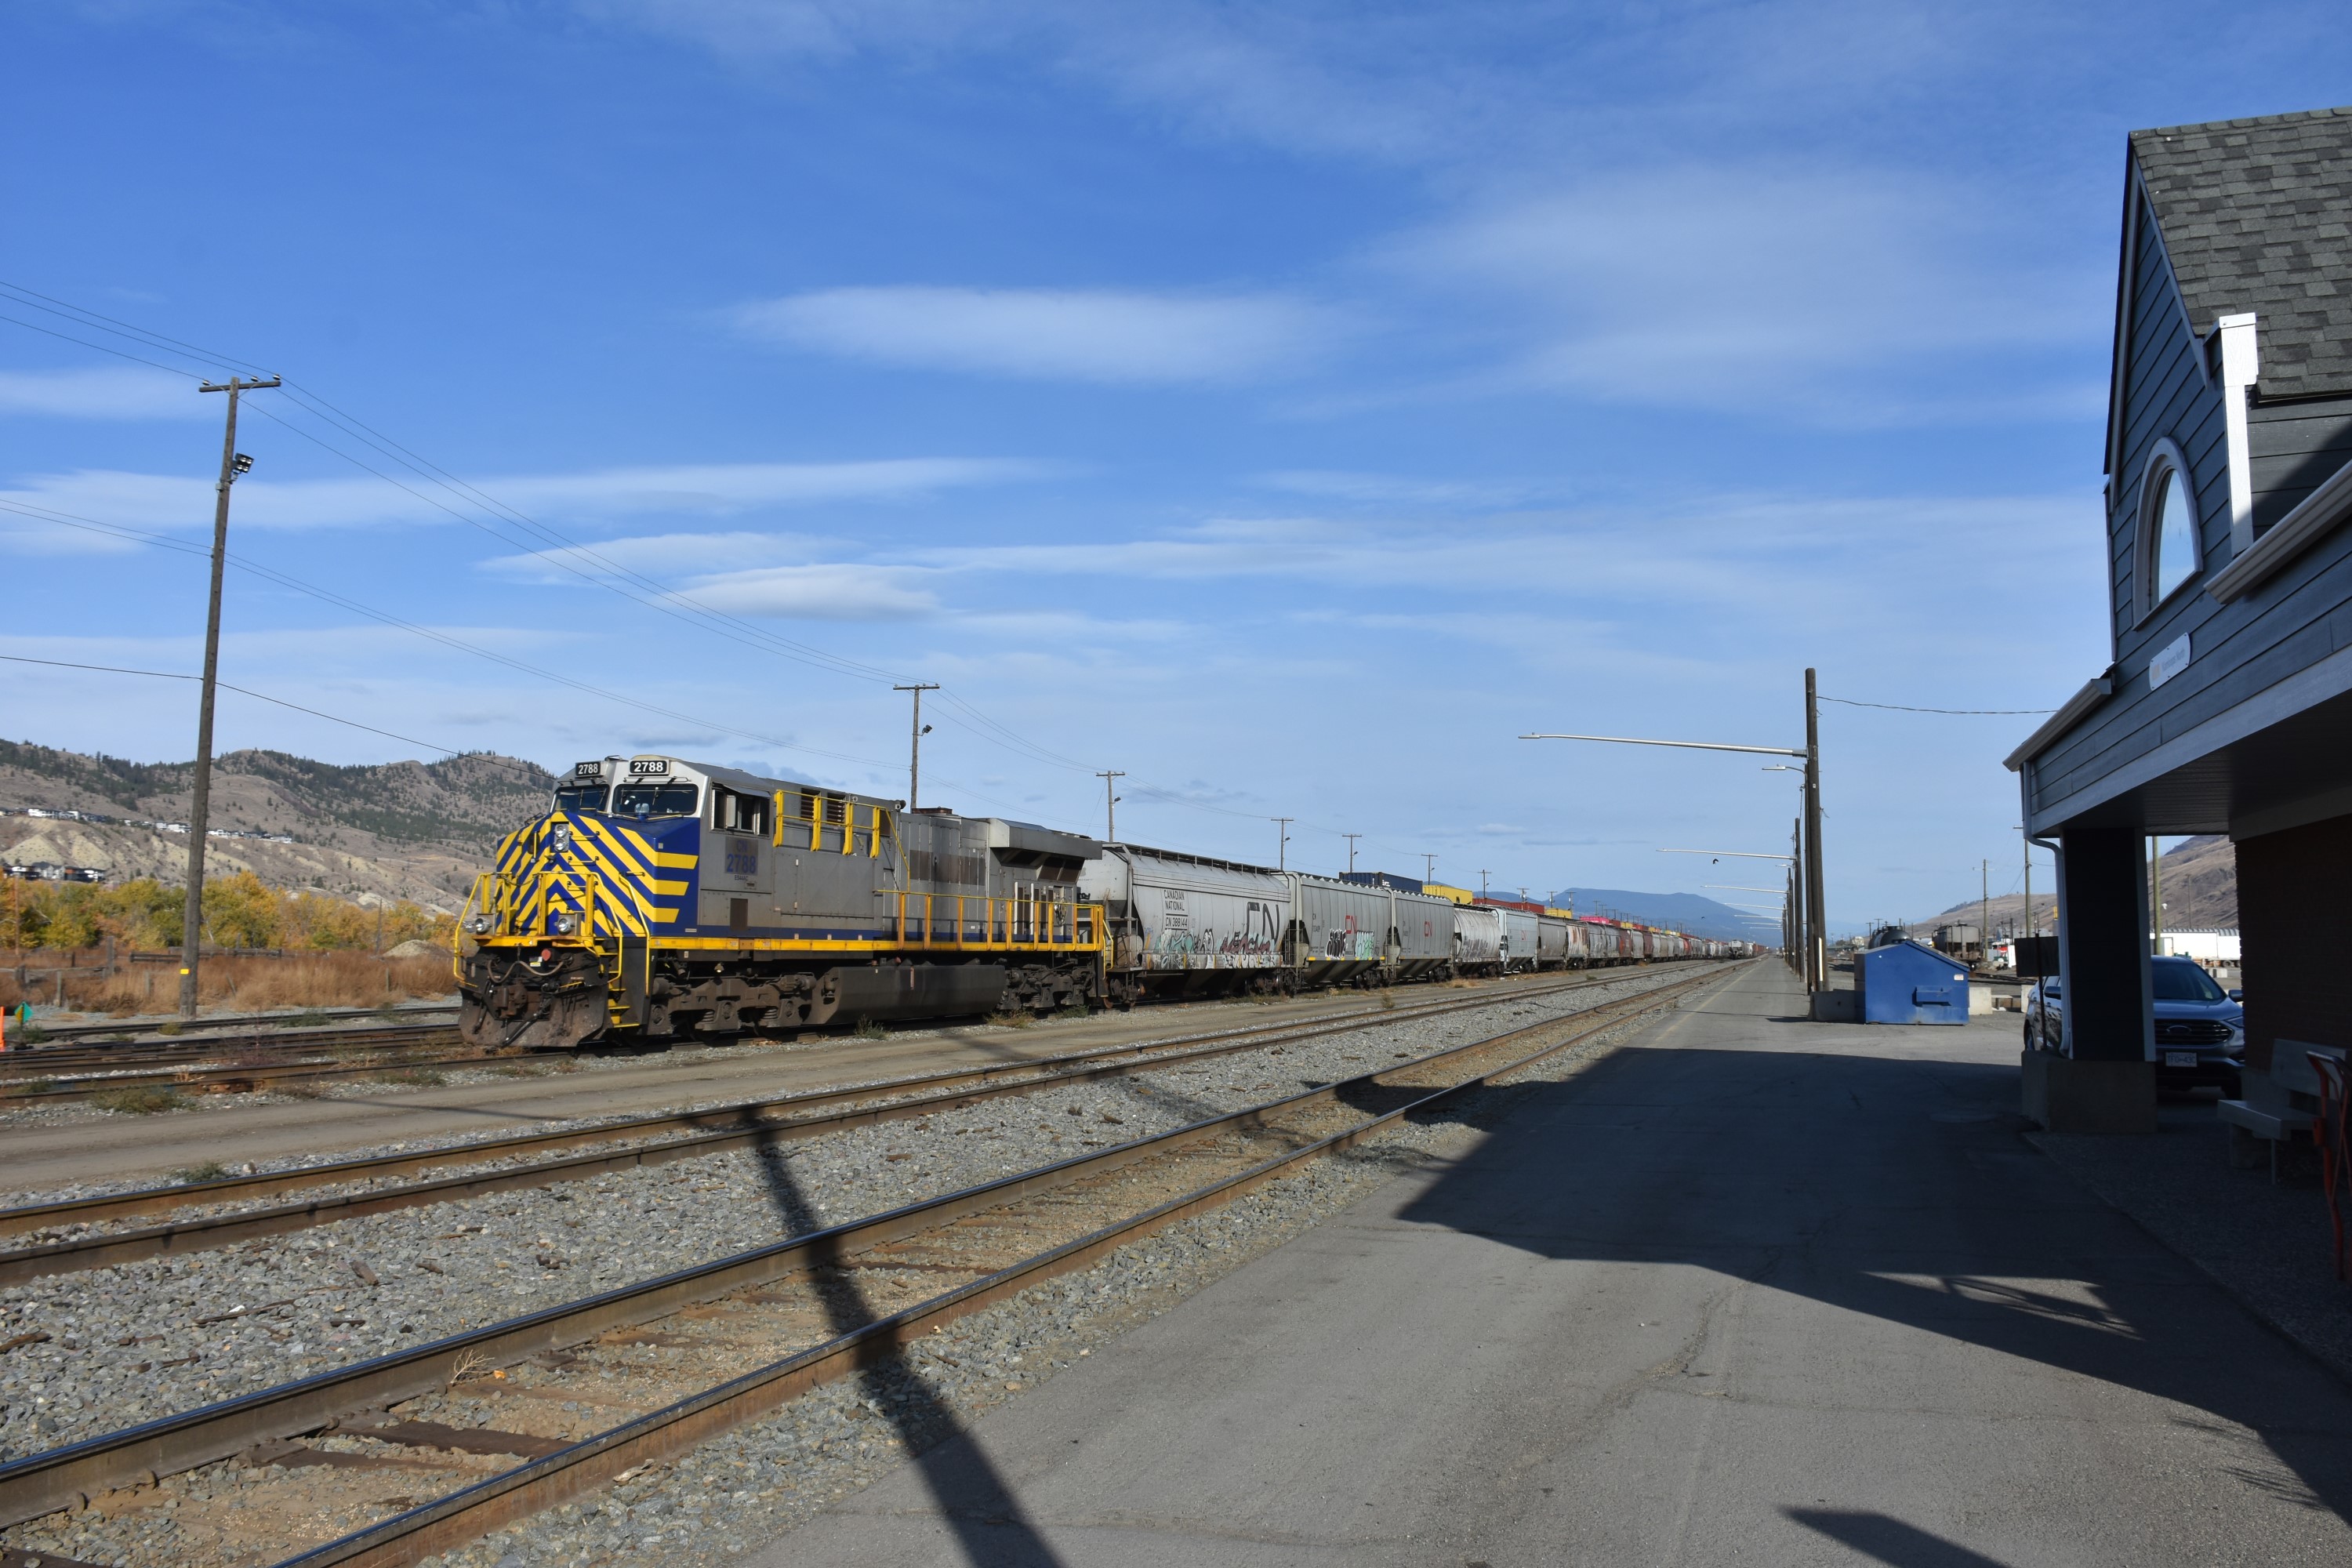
{"x": 959, "y": 920}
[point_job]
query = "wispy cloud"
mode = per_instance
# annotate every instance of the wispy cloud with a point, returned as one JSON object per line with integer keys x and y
{"x": 159, "y": 500}
{"x": 103, "y": 393}
{"x": 1058, "y": 334}
{"x": 1386, "y": 490}
{"x": 1391, "y": 84}
{"x": 1824, "y": 291}
{"x": 833, "y": 592}
{"x": 660, "y": 553}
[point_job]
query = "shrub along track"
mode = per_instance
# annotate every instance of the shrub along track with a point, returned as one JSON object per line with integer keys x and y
{"x": 649, "y": 1139}
{"x": 781, "y": 1319}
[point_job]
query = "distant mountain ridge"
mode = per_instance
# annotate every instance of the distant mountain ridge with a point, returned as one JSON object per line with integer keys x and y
{"x": 1690, "y": 912}
{"x": 2198, "y": 878}
{"x": 389, "y": 830}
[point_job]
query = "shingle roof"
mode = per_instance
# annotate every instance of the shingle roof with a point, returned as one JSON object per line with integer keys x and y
{"x": 2257, "y": 216}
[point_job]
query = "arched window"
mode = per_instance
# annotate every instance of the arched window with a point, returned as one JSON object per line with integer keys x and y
{"x": 2168, "y": 532}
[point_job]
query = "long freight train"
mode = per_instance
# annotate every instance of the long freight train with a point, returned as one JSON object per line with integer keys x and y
{"x": 660, "y": 898}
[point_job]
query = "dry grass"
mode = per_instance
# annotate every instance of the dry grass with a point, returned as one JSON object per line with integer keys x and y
{"x": 241, "y": 985}
{"x": 1018, "y": 1018}
{"x": 139, "y": 1101}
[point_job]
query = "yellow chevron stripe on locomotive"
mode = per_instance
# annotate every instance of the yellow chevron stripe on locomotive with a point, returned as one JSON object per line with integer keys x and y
{"x": 661, "y": 896}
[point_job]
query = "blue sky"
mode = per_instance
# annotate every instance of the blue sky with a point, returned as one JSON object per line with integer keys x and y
{"x": 1288, "y": 404}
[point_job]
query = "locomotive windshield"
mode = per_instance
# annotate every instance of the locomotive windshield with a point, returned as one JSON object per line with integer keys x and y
{"x": 644, "y": 800}
{"x": 580, "y": 797}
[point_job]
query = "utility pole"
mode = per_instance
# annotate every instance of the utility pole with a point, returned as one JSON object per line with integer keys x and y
{"x": 1482, "y": 881}
{"x": 1429, "y": 868}
{"x": 1817, "y": 919}
{"x": 1111, "y": 804}
{"x": 2028, "y": 885}
{"x": 1351, "y": 839}
{"x": 232, "y": 463}
{"x": 915, "y": 760}
{"x": 1282, "y": 850}
{"x": 1984, "y": 914}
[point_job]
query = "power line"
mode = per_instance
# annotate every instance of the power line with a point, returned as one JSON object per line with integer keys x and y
{"x": 264, "y": 697}
{"x": 101, "y": 348}
{"x": 445, "y": 640}
{"x": 543, "y": 541}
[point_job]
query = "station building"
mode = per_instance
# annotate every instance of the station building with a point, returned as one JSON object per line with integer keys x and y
{"x": 2227, "y": 706}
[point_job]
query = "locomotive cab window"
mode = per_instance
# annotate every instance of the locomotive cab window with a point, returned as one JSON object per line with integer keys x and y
{"x": 739, "y": 813}
{"x": 649, "y": 800}
{"x": 580, "y": 797}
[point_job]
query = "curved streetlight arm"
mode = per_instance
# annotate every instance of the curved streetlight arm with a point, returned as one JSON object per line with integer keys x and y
{"x": 1687, "y": 745}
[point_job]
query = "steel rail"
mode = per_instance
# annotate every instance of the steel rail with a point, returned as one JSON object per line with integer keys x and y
{"x": 83, "y": 1082}
{"x": 22, "y": 1060}
{"x": 182, "y": 1028}
{"x": 466, "y": 1515}
{"x": 69, "y": 1477}
{"x": 732, "y": 1127}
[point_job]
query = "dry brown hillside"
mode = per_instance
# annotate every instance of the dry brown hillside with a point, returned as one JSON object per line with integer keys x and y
{"x": 2199, "y": 885}
{"x": 395, "y": 830}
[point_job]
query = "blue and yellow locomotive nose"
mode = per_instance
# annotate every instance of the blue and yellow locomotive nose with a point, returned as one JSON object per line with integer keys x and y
{"x": 563, "y": 920}
{"x": 588, "y": 878}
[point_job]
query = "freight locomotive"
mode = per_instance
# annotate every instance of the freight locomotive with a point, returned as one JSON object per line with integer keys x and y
{"x": 660, "y": 899}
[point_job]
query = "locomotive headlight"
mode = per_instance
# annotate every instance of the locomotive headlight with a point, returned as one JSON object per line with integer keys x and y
{"x": 560, "y": 839}
{"x": 480, "y": 925}
{"x": 564, "y": 922}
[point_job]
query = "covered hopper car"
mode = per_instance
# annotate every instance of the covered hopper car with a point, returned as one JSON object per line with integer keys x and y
{"x": 660, "y": 898}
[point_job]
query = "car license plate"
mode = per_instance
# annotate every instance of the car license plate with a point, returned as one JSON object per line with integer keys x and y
{"x": 2180, "y": 1058}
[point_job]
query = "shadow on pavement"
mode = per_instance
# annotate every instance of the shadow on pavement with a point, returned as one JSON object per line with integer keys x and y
{"x": 1889, "y": 1539}
{"x": 1895, "y": 1186}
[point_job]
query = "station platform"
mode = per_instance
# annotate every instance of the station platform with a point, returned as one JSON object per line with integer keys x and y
{"x": 1748, "y": 1290}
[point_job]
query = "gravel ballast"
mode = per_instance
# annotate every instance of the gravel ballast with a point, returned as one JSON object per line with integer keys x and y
{"x": 144, "y": 1340}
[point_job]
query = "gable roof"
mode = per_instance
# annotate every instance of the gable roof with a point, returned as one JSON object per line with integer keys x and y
{"x": 2256, "y": 215}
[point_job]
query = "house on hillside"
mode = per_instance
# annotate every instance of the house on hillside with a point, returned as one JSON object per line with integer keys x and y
{"x": 2228, "y": 705}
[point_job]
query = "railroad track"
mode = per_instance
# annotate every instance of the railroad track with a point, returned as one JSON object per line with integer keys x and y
{"x": 778, "y": 1320}
{"x": 204, "y": 1024}
{"x": 86, "y": 1070}
{"x": 201, "y": 1070}
{"x": 33, "y": 1062}
{"x": 651, "y": 1140}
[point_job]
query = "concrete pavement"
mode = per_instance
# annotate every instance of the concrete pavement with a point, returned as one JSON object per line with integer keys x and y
{"x": 1751, "y": 1290}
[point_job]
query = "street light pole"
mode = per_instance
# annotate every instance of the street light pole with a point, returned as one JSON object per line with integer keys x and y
{"x": 1110, "y": 804}
{"x": 1282, "y": 850}
{"x": 1351, "y": 839}
{"x": 1809, "y": 921}
{"x": 915, "y": 750}
{"x": 1816, "y": 919}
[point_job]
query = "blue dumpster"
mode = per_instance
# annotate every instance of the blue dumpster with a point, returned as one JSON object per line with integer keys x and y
{"x": 1910, "y": 983}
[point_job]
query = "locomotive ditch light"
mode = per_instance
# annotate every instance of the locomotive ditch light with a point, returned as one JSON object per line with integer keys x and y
{"x": 564, "y": 922}
{"x": 480, "y": 925}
